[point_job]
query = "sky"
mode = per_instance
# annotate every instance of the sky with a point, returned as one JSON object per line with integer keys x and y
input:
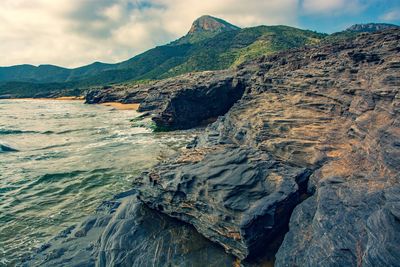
{"x": 73, "y": 33}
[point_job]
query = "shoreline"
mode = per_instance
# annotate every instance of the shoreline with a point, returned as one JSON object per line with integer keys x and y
{"x": 70, "y": 98}
{"x": 116, "y": 105}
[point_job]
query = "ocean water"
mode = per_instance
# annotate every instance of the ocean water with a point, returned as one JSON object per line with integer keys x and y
{"x": 59, "y": 160}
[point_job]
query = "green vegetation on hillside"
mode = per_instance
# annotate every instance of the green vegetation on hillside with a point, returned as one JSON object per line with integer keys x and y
{"x": 211, "y": 44}
{"x": 221, "y": 51}
{"x": 230, "y": 48}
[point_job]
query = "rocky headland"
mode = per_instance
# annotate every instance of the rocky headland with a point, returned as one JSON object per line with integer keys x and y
{"x": 301, "y": 167}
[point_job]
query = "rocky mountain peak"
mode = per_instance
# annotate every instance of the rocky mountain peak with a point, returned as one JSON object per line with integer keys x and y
{"x": 371, "y": 27}
{"x": 211, "y": 24}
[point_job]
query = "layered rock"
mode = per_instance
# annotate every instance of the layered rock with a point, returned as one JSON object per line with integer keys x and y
{"x": 182, "y": 102}
{"x": 330, "y": 112}
{"x": 193, "y": 101}
{"x": 235, "y": 196}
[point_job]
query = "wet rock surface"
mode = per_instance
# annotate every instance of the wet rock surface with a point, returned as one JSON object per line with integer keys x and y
{"x": 127, "y": 233}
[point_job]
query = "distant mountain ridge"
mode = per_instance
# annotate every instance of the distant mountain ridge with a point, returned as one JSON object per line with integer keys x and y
{"x": 49, "y": 73}
{"x": 210, "y": 44}
{"x": 356, "y": 29}
{"x": 371, "y": 27}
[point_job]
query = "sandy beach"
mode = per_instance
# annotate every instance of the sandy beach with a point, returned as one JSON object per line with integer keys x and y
{"x": 70, "y": 98}
{"x": 121, "y": 106}
{"x": 116, "y": 105}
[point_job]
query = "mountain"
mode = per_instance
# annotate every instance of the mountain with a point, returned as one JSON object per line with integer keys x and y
{"x": 210, "y": 44}
{"x": 50, "y": 73}
{"x": 371, "y": 27}
{"x": 206, "y": 27}
{"x": 211, "y": 24}
{"x": 356, "y": 29}
{"x": 202, "y": 28}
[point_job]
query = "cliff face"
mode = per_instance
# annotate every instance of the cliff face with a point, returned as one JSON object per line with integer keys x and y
{"x": 310, "y": 151}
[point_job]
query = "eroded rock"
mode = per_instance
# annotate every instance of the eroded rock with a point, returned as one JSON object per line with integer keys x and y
{"x": 237, "y": 197}
{"x": 320, "y": 121}
{"x": 333, "y": 116}
{"x": 181, "y": 102}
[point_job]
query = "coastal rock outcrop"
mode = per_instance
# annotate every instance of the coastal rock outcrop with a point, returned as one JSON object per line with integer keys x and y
{"x": 307, "y": 148}
{"x": 328, "y": 114}
{"x": 182, "y": 102}
{"x": 117, "y": 93}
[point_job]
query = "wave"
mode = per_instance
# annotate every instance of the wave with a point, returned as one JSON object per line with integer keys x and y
{"x": 56, "y": 177}
{"x": 53, "y": 177}
{"x": 6, "y": 148}
{"x": 5, "y": 131}
{"x": 47, "y": 132}
{"x": 72, "y": 131}
{"x": 13, "y": 131}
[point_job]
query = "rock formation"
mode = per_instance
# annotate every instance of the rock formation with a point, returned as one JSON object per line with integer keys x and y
{"x": 182, "y": 102}
{"x": 329, "y": 113}
{"x": 310, "y": 147}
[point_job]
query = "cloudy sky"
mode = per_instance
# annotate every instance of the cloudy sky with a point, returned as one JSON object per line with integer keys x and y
{"x": 72, "y": 33}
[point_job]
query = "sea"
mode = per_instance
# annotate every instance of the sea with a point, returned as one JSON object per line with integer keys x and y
{"x": 60, "y": 159}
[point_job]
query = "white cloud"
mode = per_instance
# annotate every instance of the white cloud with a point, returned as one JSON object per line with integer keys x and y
{"x": 76, "y": 32}
{"x": 332, "y": 7}
{"x": 393, "y": 15}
